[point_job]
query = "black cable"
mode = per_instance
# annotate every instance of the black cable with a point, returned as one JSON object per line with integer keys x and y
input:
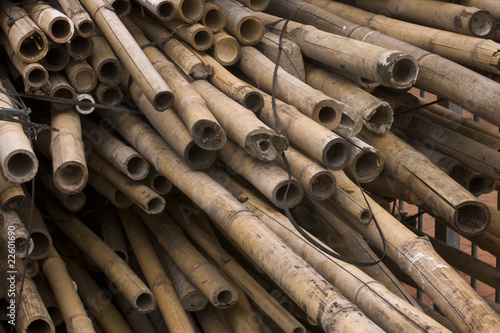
{"x": 420, "y": 107}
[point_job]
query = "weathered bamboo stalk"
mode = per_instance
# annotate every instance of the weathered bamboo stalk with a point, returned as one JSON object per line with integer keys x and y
{"x": 112, "y": 232}
{"x": 81, "y": 75}
{"x": 123, "y": 157}
{"x": 60, "y": 88}
{"x": 108, "y": 95}
{"x": 120, "y": 7}
{"x": 140, "y": 194}
{"x": 271, "y": 180}
{"x": 14, "y": 228}
{"x": 475, "y": 182}
{"x": 255, "y": 5}
{"x": 163, "y": 9}
{"x": 158, "y": 321}
{"x": 87, "y": 99}
{"x": 81, "y": 19}
{"x": 168, "y": 302}
{"x": 246, "y": 27}
{"x": 227, "y": 49}
{"x": 212, "y": 322}
{"x": 26, "y": 38}
{"x": 11, "y": 195}
{"x": 192, "y": 263}
{"x": 377, "y": 115}
{"x": 241, "y": 125}
{"x": 71, "y": 307}
{"x": 104, "y": 61}
{"x": 55, "y": 24}
{"x": 116, "y": 270}
{"x": 108, "y": 190}
{"x": 489, "y": 5}
{"x": 48, "y": 299}
{"x": 138, "y": 322}
{"x": 157, "y": 182}
{"x": 80, "y": 47}
{"x": 315, "y": 296}
{"x": 366, "y": 164}
{"x": 213, "y": 17}
{"x": 56, "y": 57}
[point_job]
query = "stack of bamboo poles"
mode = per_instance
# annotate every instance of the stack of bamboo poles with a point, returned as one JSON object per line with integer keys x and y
{"x": 153, "y": 134}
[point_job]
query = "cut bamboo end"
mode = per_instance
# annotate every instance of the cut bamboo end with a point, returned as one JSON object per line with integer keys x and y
{"x": 327, "y": 113}
{"x": 11, "y": 195}
{"x": 379, "y": 118}
{"x": 214, "y": 17}
{"x": 366, "y": 166}
{"x": 197, "y": 157}
{"x": 35, "y": 75}
{"x": 250, "y": 30}
{"x": 19, "y": 165}
{"x": 32, "y": 316}
{"x": 61, "y": 88}
{"x": 400, "y": 70}
{"x": 481, "y": 23}
{"x": 470, "y": 217}
{"x": 164, "y": 10}
{"x": 102, "y": 186}
{"x": 85, "y": 27}
{"x": 81, "y": 75}
{"x": 87, "y": 99}
{"x": 254, "y": 101}
{"x": 227, "y": 50}
{"x": 56, "y": 59}
{"x": 255, "y": 5}
{"x": 159, "y": 183}
{"x": 163, "y": 100}
{"x": 336, "y": 154}
{"x": 80, "y": 47}
{"x": 121, "y": 7}
{"x": 108, "y": 71}
{"x": 321, "y": 185}
{"x": 108, "y": 95}
{"x": 208, "y": 134}
{"x": 71, "y": 177}
{"x": 190, "y": 11}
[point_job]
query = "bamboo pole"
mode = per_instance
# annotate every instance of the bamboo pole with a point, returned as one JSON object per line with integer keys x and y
{"x": 192, "y": 263}
{"x": 138, "y": 322}
{"x": 377, "y": 115}
{"x": 79, "y": 16}
{"x": 108, "y": 95}
{"x": 189, "y": 11}
{"x": 196, "y": 35}
{"x": 131, "y": 56}
{"x": 315, "y": 296}
{"x": 307, "y": 100}
{"x": 116, "y": 270}
{"x": 159, "y": 183}
{"x": 15, "y": 230}
{"x": 48, "y": 299}
{"x": 80, "y": 47}
{"x": 120, "y": 7}
{"x": 56, "y": 58}
{"x": 174, "y": 131}
{"x": 192, "y": 226}
{"x": 489, "y": 5}
{"x": 271, "y": 180}
{"x": 255, "y": 5}
{"x": 241, "y": 315}
{"x": 81, "y": 75}
{"x": 112, "y": 232}
{"x": 246, "y": 27}
{"x": 55, "y": 24}
{"x": 475, "y": 183}
{"x": 140, "y": 194}
{"x": 366, "y": 164}
{"x": 213, "y": 17}
{"x": 11, "y": 195}
{"x": 61, "y": 88}
{"x": 104, "y": 61}
{"x": 123, "y": 157}
{"x": 241, "y": 125}
{"x": 171, "y": 308}
{"x": 106, "y": 189}
{"x": 211, "y": 321}
{"x": 87, "y": 99}
{"x": 162, "y": 9}
{"x": 227, "y": 49}
{"x": 25, "y": 37}
{"x": 71, "y": 307}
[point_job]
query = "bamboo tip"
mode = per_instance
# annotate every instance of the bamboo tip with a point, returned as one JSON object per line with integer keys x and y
{"x": 322, "y": 185}
{"x": 62, "y": 29}
{"x": 109, "y": 72}
{"x": 203, "y": 39}
{"x": 380, "y": 118}
{"x": 476, "y": 185}
{"x": 137, "y": 167}
{"x": 198, "y": 158}
{"x": 336, "y": 154}
{"x": 80, "y": 47}
{"x": 163, "y": 100}
{"x": 33, "y": 47}
{"x": 109, "y": 95}
{"x": 12, "y": 198}
{"x": 208, "y": 135}
{"x": 367, "y": 166}
{"x": 75, "y": 202}
{"x": 327, "y": 113}
{"x": 165, "y": 10}
{"x": 122, "y": 7}
{"x": 56, "y": 59}
{"x": 398, "y": 70}
{"x": 293, "y": 197}
{"x": 39, "y": 324}
{"x": 71, "y": 177}
{"x": 86, "y": 28}
{"x": 472, "y": 218}
{"x": 161, "y": 185}
{"x": 365, "y": 216}
{"x": 19, "y": 166}
{"x": 227, "y": 51}
{"x": 155, "y": 205}
{"x": 482, "y": 23}
{"x": 253, "y": 101}
{"x": 42, "y": 242}
{"x": 250, "y": 30}
{"x": 224, "y": 298}
{"x": 84, "y": 80}
{"x": 258, "y": 5}
{"x": 191, "y": 11}
{"x": 145, "y": 302}
{"x": 214, "y": 19}
{"x": 37, "y": 76}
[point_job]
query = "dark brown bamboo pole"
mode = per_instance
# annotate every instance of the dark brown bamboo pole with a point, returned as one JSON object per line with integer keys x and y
{"x": 56, "y": 57}
{"x": 116, "y": 270}
{"x": 213, "y": 17}
{"x": 48, "y": 299}
{"x": 81, "y": 19}
{"x": 80, "y": 47}
{"x": 171, "y": 308}
{"x": 162, "y": 9}
{"x": 130, "y": 54}
{"x": 14, "y": 229}
{"x": 81, "y": 75}
{"x": 324, "y": 301}
{"x": 106, "y": 189}
{"x": 11, "y": 195}
{"x": 56, "y": 25}
{"x": 108, "y": 95}
{"x": 242, "y": 125}
{"x": 157, "y": 182}
{"x": 226, "y": 49}
{"x": 366, "y": 164}
{"x": 103, "y": 60}
{"x": 112, "y": 232}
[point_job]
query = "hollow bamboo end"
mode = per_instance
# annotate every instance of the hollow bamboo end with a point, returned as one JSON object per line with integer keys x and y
{"x": 86, "y": 28}
{"x": 36, "y": 76}
{"x": 155, "y": 205}
{"x": 12, "y": 198}
{"x": 137, "y": 167}
{"x": 322, "y": 186}
{"x": 191, "y": 11}
{"x": 122, "y": 7}
{"x": 472, "y": 218}
{"x": 198, "y": 158}
{"x": 19, "y": 166}
{"x": 62, "y": 91}
{"x": 74, "y": 202}
{"x": 258, "y": 5}
{"x": 203, "y": 39}
{"x": 145, "y": 302}
{"x": 367, "y": 166}
{"x": 163, "y": 100}
{"x": 397, "y": 70}
{"x": 214, "y": 18}
{"x": 476, "y": 185}
{"x": 327, "y": 113}
{"x": 294, "y": 195}
{"x": 160, "y": 184}
{"x": 380, "y": 118}
{"x": 250, "y": 30}
{"x": 165, "y": 10}
{"x": 80, "y": 47}
{"x": 224, "y": 297}
{"x": 336, "y": 154}
{"x": 365, "y": 216}
{"x": 253, "y": 101}
{"x": 227, "y": 51}
{"x": 71, "y": 177}
{"x": 62, "y": 29}
{"x": 108, "y": 95}
{"x": 42, "y": 242}
{"x": 33, "y": 47}
{"x": 482, "y": 23}
{"x": 56, "y": 58}
{"x": 208, "y": 135}
{"x": 109, "y": 72}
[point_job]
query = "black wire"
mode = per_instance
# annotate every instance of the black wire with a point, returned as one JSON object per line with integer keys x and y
{"x": 420, "y": 107}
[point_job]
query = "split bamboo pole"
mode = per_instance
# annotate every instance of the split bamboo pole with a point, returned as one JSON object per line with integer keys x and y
{"x": 11, "y": 195}
{"x": 366, "y": 164}
{"x": 104, "y": 61}
{"x": 130, "y": 54}
{"x": 123, "y": 157}
{"x": 448, "y": 199}
{"x": 318, "y": 182}
{"x": 173, "y": 130}
{"x": 87, "y": 99}
{"x": 56, "y": 58}
{"x": 271, "y": 180}
{"x": 246, "y": 27}
{"x": 384, "y": 308}
{"x": 213, "y": 17}
{"x": 211, "y": 320}
{"x": 14, "y": 228}
{"x": 171, "y": 308}
{"x": 311, "y": 102}
{"x": 318, "y": 298}
{"x": 192, "y": 108}
{"x": 80, "y": 47}
{"x": 109, "y": 191}
{"x": 116, "y": 270}
{"x": 26, "y": 38}
{"x": 66, "y": 148}
{"x": 159, "y": 183}
{"x": 108, "y": 95}
{"x": 490, "y": 5}
{"x": 56, "y": 25}
{"x": 49, "y": 300}
{"x": 226, "y": 49}
{"x": 241, "y": 125}
{"x": 112, "y": 232}
{"x": 255, "y": 5}
{"x": 82, "y": 21}
{"x": 441, "y": 76}
{"x": 138, "y": 322}
{"x": 326, "y": 147}
{"x": 97, "y": 302}
{"x": 196, "y": 35}
{"x": 162, "y": 9}
{"x": 191, "y": 262}
{"x": 81, "y": 75}
{"x": 377, "y": 115}
{"x": 73, "y": 312}
{"x": 194, "y": 229}
{"x": 140, "y": 194}
{"x": 60, "y": 88}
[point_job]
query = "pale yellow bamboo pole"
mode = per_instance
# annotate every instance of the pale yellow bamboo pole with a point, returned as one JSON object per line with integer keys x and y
{"x": 130, "y": 54}
{"x": 123, "y": 157}
{"x": 315, "y": 296}
{"x": 271, "y": 180}
{"x": 61, "y": 88}
{"x": 227, "y": 49}
{"x": 116, "y": 270}
{"x": 71, "y": 306}
{"x": 241, "y": 125}
{"x": 192, "y": 226}
{"x": 159, "y": 183}
{"x": 104, "y": 61}
{"x": 25, "y": 37}
{"x": 81, "y": 19}
{"x": 212, "y": 322}
{"x": 112, "y": 231}
{"x": 80, "y": 47}
{"x": 307, "y": 100}
{"x": 138, "y": 322}
{"x": 168, "y": 302}
{"x": 11, "y": 195}
{"x": 213, "y": 17}
{"x": 14, "y": 228}
{"x": 377, "y": 115}
{"x": 192, "y": 263}
{"x": 162, "y": 9}
{"x": 106, "y": 189}
{"x": 48, "y": 299}
{"x": 366, "y": 164}
{"x": 81, "y": 75}
{"x": 174, "y": 131}
{"x": 56, "y": 25}
{"x": 140, "y": 194}
{"x": 56, "y": 58}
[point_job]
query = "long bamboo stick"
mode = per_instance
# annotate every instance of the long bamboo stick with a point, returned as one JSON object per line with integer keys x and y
{"x": 108, "y": 190}
{"x": 315, "y": 296}
{"x": 198, "y": 36}
{"x": 55, "y": 24}
{"x": 163, "y": 9}
{"x": 81, "y": 19}
{"x": 104, "y": 61}
{"x": 112, "y": 231}
{"x": 49, "y": 300}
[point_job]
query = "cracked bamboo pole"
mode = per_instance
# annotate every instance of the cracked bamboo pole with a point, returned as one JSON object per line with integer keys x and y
{"x": 171, "y": 308}
{"x": 366, "y": 163}
{"x": 56, "y": 25}
{"x": 60, "y": 88}
{"x": 109, "y": 191}
{"x": 112, "y": 232}
{"x": 241, "y": 125}
{"x": 57, "y": 57}
{"x": 213, "y": 17}
{"x": 81, "y": 75}
{"x": 11, "y": 195}
{"x": 79, "y": 16}
{"x": 26, "y": 38}
{"x": 103, "y": 60}
{"x": 80, "y": 47}
{"x": 226, "y": 49}
{"x": 130, "y": 54}
{"x": 162, "y": 9}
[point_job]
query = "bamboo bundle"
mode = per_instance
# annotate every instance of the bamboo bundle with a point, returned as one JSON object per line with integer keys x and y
{"x": 79, "y": 16}
{"x": 326, "y": 305}
{"x": 112, "y": 232}
{"x": 60, "y": 88}
{"x": 168, "y": 302}
{"x": 109, "y": 191}
{"x": 131, "y": 56}
{"x": 213, "y": 17}
{"x": 56, "y": 58}
{"x": 366, "y": 164}
{"x": 11, "y": 195}
{"x": 247, "y": 28}
{"x": 55, "y": 24}
{"x": 226, "y": 50}
{"x": 116, "y": 270}
{"x": 80, "y": 47}
{"x": 163, "y": 9}
{"x": 241, "y": 125}
{"x": 104, "y": 61}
